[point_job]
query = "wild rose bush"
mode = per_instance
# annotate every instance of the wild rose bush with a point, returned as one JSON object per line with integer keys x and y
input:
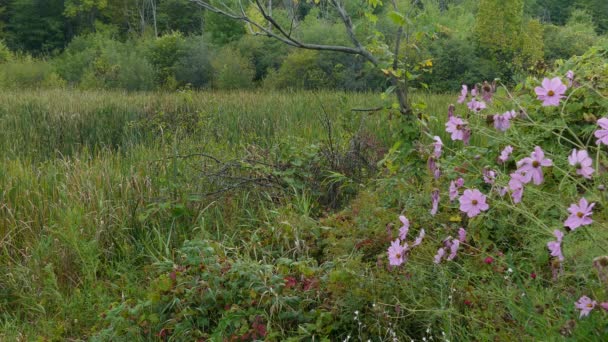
{"x": 516, "y": 206}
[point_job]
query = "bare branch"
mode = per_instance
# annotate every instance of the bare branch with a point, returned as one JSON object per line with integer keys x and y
{"x": 287, "y": 38}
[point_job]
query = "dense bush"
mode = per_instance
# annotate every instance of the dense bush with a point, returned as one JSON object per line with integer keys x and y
{"x": 164, "y": 53}
{"x": 194, "y": 66}
{"x": 26, "y": 72}
{"x": 573, "y": 39}
{"x": 232, "y": 70}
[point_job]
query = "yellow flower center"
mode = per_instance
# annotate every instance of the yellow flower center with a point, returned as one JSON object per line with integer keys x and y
{"x": 535, "y": 163}
{"x": 398, "y": 255}
{"x": 474, "y": 202}
{"x": 589, "y": 305}
{"x": 580, "y": 215}
{"x": 550, "y": 93}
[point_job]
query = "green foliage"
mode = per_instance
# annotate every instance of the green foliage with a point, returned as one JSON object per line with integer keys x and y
{"x": 562, "y": 42}
{"x": 28, "y": 73}
{"x": 164, "y": 53}
{"x": 532, "y": 49}
{"x": 194, "y": 66}
{"x": 500, "y": 34}
{"x": 5, "y": 54}
{"x": 36, "y": 26}
{"x": 232, "y": 70}
{"x": 299, "y": 70}
{"x": 221, "y": 29}
{"x": 180, "y": 15}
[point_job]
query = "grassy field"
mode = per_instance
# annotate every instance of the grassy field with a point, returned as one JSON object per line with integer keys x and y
{"x": 94, "y": 189}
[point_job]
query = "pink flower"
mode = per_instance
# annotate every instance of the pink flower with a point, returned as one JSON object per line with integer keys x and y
{"x": 453, "y": 249}
{"x": 570, "y": 77}
{"x": 551, "y": 92}
{"x": 489, "y": 176}
{"x": 463, "y": 94}
{"x": 502, "y": 191}
{"x": 437, "y": 146}
{"x": 582, "y": 162}
{"x": 462, "y": 235}
{"x": 454, "y": 186}
{"x": 418, "y": 240}
{"x": 474, "y": 91}
{"x": 555, "y": 247}
{"x": 585, "y": 304}
{"x": 432, "y": 164}
{"x": 516, "y": 185}
{"x": 476, "y": 106}
{"x": 396, "y": 253}
{"x": 505, "y": 154}
{"x": 487, "y": 91}
{"x": 440, "y": 254}
{"x": 451, "y": 110}
{"x": 502, "y": 122}
{"x": 604, "y": 305}
{"x": 456, "y": 127}
{"x": 602, "y": 134}
{"x": 488, "y": 260}
{"x": 435, "y": 199}
{"x": 579, "y": 214}
{"x": 473, "y": 202}
{"x": 533, "y": 166}
{"x": 404, "y": 228}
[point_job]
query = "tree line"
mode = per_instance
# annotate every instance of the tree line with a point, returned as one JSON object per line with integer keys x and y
{"x": 152, "y": 44}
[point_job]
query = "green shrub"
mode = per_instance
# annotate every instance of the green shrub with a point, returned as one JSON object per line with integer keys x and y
{"x": 194, "y": 66}
{"x": 232, "y": 70}
{"x": 5, "y": 54}
{"x": 573, "y": 39}
{"x": 300, "y": 70}
{"x": 164, "y": 53}
{"x": 27, "y": 72}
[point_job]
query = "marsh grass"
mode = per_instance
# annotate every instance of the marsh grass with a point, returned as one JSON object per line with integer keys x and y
{"x": 89, "y": 193}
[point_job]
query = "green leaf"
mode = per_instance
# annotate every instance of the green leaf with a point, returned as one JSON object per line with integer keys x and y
{"x": 397, "y": 18}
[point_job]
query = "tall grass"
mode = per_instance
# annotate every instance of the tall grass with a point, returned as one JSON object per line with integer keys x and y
{"x": 89, "y": 193}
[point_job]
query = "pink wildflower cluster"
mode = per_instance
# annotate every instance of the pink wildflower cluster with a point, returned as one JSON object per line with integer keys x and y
{"x": 582, "y": 162}
{"x": 398, "y": 250}
{"x": 586, "y": 305}
{"x": 432, "y": 162}
{"x": 475, "y": 105}
{"x": 555, "y": 247}
{"x": 455, "y": 187}
{"x": 505, "y": 154}
{"x": 502, "y": 122}
{"x": 529, "y": 170}
{"x": 602, "y": 134}
{"x": 458, "y": 129}
{"x": 450, "y": 244}
{"x": 489, "y": 176}
{"x": 435, "y": 202}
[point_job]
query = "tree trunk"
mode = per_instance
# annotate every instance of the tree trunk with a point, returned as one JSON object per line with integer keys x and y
{"x": 153, "y": 7}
